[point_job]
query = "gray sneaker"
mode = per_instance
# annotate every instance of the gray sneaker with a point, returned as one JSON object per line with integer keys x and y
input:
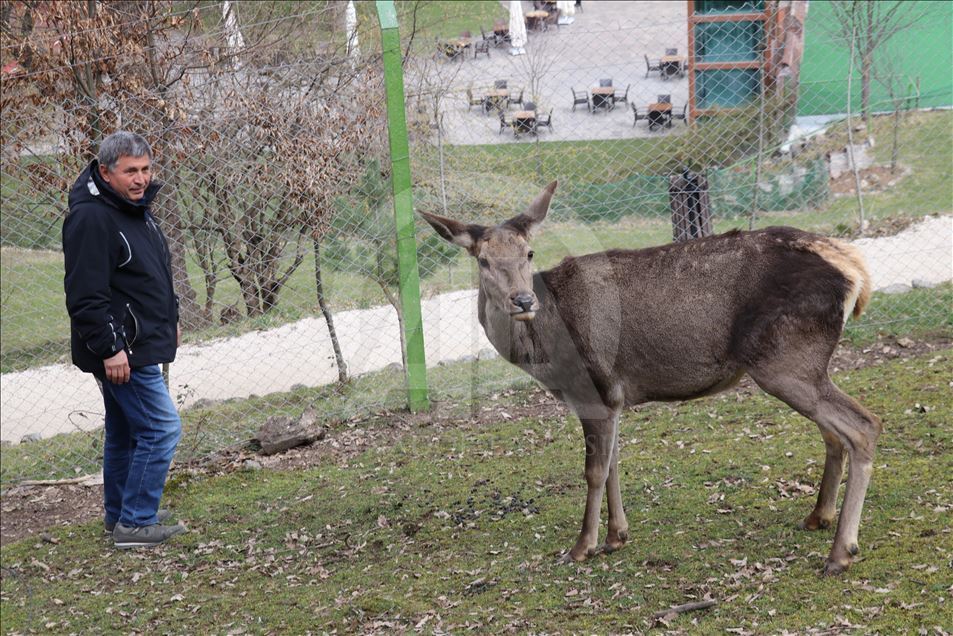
{"x": 161, "y": 515}
{"x": 145, "y": 536}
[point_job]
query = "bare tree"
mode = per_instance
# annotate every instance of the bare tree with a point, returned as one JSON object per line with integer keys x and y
{"x": 873, "y": 24}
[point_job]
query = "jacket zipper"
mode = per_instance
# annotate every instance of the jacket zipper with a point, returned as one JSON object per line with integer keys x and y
{"x": 135, "y": 323}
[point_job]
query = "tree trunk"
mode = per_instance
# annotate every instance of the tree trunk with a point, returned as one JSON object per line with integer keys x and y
{"x": 167, "y": 211}
{"x": 865, "y": 72}
{"x": 895, "y": 147}
{"x": 328, "y": 318}
{"x": 866, "y": 63}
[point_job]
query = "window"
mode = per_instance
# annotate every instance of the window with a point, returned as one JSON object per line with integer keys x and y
{"x": 715, "y": 7}
{"x": 728, "y": 41}
{"x": 726, "y": 88}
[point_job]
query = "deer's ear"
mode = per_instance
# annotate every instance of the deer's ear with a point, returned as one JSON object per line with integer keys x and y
{"x": 455, "y": 232}
{"x": 527, "y": 222}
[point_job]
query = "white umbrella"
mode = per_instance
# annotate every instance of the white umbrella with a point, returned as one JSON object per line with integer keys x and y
{"x": 567, "y": 9}
{"x": 517, "y": 28}
{"x": 350, "y": 25}
{"x": 233, "y": 35}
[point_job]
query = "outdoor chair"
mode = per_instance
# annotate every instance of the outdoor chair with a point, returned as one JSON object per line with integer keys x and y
{"x": 621, "y": 97}
{"x": 475, "y": 101}
{"x": 551, "y": 20}
{"x": 664, "y": 99}
{"x": 515, "y": 100}
{"x": 501, "y": 32}
{"x": 546, "y": 121}
{"x": 580, "y": 98}
{"x": 652, "y": 65}
{"x": 671, "y": 51}
{"x": 481, "y": 46}
{"x": 636, "y": 115}
{"x": 682, "y": 115}
{"x": 504, "y": 124}
{"x": 605, "y": 83}
{"x": 499, "y": 84}
{"x": 466, "y": 34}
{"x": 529, "y": 106}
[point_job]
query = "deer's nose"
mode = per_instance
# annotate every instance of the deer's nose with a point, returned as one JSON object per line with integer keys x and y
{"x": 523, "y": 301}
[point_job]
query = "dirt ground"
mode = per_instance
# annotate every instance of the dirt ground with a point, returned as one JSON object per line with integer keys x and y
{"x": 32, "y": 510}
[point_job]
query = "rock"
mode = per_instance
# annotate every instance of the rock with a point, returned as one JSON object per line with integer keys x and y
{"x": 298, "y": 387}
{"x": 30, "y": 437}
{"x": 840, "y": 161}
{"x": 394, "y": 366}
{"x": 922, "y": 283}
{"x": 251, "y": 464}
{"x": 280, "y": 433}
{"x": 906, "y": 343}
{"x": 785, "y": 184}
{"x": 896, "y": 288}
{"x": 487, "y": 354}
{"x": 203, "y": 403}
{"x": 468, "y": 358}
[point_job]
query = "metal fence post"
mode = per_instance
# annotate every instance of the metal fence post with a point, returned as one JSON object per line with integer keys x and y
{"x": 416, "y": 365}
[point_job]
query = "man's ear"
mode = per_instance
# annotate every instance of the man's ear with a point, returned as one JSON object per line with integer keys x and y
{"x": 103, "y": 172}
{"x": 528, "y": 221}
{"x": 462, "y": 234}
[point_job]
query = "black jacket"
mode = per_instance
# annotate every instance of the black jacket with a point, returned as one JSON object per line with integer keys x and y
{"x": 118, "y": 280}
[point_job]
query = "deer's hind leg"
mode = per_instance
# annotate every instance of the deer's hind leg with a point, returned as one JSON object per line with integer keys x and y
{"x": 826, "y": 508}
{"x": 846, "y": 426}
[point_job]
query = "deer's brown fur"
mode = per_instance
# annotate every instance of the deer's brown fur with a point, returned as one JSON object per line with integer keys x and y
{"x": 675, "y": 322}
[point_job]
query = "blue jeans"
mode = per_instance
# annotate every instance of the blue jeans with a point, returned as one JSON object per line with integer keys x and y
{"x": 142, "y": 430}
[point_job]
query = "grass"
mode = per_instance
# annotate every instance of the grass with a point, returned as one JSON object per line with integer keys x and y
{"x": 922, "y": 52}
{"x": 456, "y": 528}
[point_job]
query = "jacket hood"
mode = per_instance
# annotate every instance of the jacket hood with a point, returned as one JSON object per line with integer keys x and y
{"x": 91, "y": 187}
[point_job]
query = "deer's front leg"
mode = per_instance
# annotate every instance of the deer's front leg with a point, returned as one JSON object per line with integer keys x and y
{"x": 600, "y": 441}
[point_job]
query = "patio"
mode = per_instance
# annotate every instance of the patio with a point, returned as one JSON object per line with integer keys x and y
{"x": 606, "y": 40}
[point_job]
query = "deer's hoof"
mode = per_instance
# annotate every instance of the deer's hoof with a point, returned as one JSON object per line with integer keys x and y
{"x": 835, "y": 568}
{"x": 578, "y": 554}
{"x": 615, "y": 541}
{"x": 815, "y": 522}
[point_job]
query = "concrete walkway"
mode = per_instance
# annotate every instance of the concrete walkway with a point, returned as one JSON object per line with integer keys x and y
{"x": 300, "y": 353}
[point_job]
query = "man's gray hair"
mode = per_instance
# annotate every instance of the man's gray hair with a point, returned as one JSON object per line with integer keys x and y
{"x": 122, "y": 143}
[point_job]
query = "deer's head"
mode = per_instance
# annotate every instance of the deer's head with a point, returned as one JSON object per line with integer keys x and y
{"x": 504, "y": 254}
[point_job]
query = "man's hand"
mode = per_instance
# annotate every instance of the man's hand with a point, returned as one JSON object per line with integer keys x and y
{"x": 117, "y": 368}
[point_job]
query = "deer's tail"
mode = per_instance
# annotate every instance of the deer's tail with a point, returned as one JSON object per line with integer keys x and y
{"x": 849, "y": 261}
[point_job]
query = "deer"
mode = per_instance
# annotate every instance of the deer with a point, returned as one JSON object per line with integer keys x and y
{"x": 609, "y": 330}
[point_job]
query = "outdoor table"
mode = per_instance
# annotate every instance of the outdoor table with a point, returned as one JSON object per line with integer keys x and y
{"x": 496, "y": 98}
{"x": 659, "y": 114}
{"x": 671, "y": 64}
{"x": 524, "y": 121}
{"x": 602, "y": 97}
{"x": 534, "y": 19}
{"x": 460, "y": 43}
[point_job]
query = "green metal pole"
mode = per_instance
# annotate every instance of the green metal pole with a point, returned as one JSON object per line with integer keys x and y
{"x": 416, "y": 371}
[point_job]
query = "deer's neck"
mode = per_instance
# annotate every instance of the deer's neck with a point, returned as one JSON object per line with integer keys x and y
{"x": 516, "y": 341}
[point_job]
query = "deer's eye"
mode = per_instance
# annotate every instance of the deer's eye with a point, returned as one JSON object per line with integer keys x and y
{"x": 483, "y": 262}
{"x": 530, "y": 255}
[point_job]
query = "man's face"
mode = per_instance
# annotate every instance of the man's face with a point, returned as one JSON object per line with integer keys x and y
{"x": 129, "y": 177}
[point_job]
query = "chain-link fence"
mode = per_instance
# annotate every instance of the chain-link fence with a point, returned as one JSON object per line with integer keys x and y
{"x": 660, "y": 120}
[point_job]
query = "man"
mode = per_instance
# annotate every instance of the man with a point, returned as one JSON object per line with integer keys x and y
{"x": 124, "y": 323}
